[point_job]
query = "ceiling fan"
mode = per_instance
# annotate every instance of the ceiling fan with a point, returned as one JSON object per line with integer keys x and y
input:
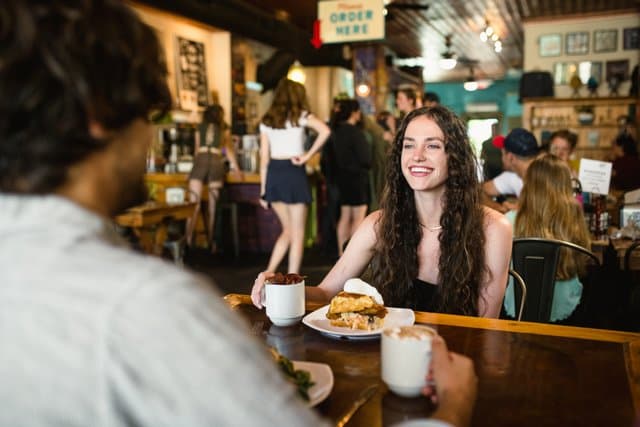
{"x": 407, "y": 6}
{"x": 392, "y": 6}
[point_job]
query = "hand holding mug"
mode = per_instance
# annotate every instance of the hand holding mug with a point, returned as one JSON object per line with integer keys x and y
{"x": 258, "y": 287}
{"x": 455, "y": 385}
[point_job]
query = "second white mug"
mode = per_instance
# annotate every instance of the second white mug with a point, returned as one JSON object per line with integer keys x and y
{"x": 406, "y": 358}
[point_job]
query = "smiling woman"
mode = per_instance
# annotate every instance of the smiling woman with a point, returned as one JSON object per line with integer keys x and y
{"x": 427, "y": 247}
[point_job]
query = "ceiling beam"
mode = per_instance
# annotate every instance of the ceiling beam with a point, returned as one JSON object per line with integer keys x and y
{"x": 245, "y": 20}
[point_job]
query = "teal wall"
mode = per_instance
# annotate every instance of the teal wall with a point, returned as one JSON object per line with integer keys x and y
{"x": 504, "y": 93}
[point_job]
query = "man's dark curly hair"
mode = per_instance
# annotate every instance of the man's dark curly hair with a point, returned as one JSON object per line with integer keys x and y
{"x": 62, "y": 64}
{"x": 461, "y": 265}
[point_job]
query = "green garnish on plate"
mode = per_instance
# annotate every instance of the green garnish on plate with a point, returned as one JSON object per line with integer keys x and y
{"x": 300, "y": 378}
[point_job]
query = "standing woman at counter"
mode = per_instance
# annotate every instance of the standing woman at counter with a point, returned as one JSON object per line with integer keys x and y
{"x": 283, "y": 180}
{"x": 212, "y": 136}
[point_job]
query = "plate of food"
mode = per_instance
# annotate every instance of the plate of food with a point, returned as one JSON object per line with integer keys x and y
{"x": 314, "y": 381}
{"x": 357, "y": 312}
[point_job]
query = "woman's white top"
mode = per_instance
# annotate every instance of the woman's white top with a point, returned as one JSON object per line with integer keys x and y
{"x": 288, "y": 142}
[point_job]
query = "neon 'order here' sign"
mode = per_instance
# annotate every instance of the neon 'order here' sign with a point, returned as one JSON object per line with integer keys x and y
{"x": 351, "y": 20}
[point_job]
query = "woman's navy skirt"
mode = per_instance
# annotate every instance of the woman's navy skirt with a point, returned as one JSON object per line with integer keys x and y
{"x": 286, "y": 183}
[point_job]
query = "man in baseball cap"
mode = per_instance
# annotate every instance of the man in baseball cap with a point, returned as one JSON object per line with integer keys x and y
{"x": 519, "y": 150}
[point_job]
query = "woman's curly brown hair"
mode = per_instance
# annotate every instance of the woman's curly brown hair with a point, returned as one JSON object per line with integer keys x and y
{"x": 462, "y": 241}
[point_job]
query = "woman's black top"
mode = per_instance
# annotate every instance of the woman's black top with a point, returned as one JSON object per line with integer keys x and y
{"x": 425, "y": 296}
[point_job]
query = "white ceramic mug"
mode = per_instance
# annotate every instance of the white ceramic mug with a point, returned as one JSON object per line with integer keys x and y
{"x": 406, "y": 357}
{"x": 284, "y": 303}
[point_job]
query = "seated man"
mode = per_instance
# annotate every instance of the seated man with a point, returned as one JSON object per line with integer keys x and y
{"x": 520, "y": 149}
{"x": 91, "y": 332}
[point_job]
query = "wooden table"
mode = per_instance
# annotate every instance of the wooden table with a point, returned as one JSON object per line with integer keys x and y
{"x": 150, "y": 222}
{"x": 530, "y": 374}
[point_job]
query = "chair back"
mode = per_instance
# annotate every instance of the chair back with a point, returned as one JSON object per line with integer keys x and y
{"x": 517, "y": 279}
{"x": 627, "y": 255}
{"x": 536, "y": 260}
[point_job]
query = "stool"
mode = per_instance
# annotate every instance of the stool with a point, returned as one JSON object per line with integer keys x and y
{"x": 224, "y": 204}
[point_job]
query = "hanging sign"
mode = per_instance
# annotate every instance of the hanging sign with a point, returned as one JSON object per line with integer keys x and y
{"x": 595, "y": 176}
{"x": 351, "y": 20}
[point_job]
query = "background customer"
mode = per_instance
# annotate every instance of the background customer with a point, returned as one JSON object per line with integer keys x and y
{"x": 283, "y": 180}
{"x": 549, "y": 209}
{"x": 213, "y": 143}
{"x": 626, "y": 164}
{"x": 353, "y": 160}
{"x": 519, "y": 150}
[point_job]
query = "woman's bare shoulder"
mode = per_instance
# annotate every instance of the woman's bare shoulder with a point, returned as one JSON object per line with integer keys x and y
{"x": 495, "y": 223}
{"x": 368, "y": 227}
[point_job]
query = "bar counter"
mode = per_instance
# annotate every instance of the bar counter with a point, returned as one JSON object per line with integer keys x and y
{"x": 242, "y": 225}
{"x": 158, "y": 182}
{"x": 530, "y": 374}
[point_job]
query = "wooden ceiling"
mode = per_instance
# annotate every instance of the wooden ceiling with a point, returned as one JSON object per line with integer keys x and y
{"x": 420, "y": 31}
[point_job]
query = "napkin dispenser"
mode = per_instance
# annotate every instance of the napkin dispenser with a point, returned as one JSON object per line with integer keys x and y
{"x": 174, "y": 195}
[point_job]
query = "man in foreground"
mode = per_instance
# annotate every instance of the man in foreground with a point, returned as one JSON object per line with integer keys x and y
{"x": 92, "y": 333}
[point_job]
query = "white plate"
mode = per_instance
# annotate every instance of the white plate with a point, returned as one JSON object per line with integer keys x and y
{"x": 395, "y": 317}
{"x": 321, "y": 375}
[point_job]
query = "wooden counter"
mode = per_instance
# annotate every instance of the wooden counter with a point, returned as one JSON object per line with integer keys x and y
{"x": 159, "y": 182}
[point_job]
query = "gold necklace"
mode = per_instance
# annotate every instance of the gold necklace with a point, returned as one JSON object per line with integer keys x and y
{"x": 435, "y": 228}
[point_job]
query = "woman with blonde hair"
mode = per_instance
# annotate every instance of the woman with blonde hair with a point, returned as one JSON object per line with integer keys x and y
{"x": 548, "y": 209}
{"x": 283, "y": 180}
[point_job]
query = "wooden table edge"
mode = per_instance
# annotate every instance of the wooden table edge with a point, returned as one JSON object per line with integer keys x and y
{"x": 233, "y": 300}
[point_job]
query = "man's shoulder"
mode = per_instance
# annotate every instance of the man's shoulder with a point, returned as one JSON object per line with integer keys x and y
{"x": 139, "y": 278}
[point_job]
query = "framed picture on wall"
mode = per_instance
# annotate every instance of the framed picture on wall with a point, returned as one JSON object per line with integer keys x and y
{"x": 191, "y": 72}
{"x": 577, "y": 43}
{"x": 631, "y": 38}
{"x": 550, "y": 45}
{"x": 605, "y": 41}
{"x": 618, "y": 69}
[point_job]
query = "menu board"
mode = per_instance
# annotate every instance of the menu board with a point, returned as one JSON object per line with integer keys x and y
{"x": 191, "y": 71}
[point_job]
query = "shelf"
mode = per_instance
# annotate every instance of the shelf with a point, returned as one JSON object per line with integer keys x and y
{"x": 575, "y": 126}
{"x": 572, "y": 101}
{"x": 562, "y": 113}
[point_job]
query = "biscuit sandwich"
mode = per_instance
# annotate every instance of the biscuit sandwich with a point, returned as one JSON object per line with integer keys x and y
{"x": 356, "y": 310}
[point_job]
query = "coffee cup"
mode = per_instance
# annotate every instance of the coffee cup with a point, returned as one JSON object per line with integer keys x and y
{"x": 284, "y": 302}
{"x": 406, "y": 357}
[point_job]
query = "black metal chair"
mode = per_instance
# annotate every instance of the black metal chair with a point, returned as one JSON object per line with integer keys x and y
{"x": 517, "y": 279}
{"x": 536, "y": 260}
{"x": 627, "y": 255}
